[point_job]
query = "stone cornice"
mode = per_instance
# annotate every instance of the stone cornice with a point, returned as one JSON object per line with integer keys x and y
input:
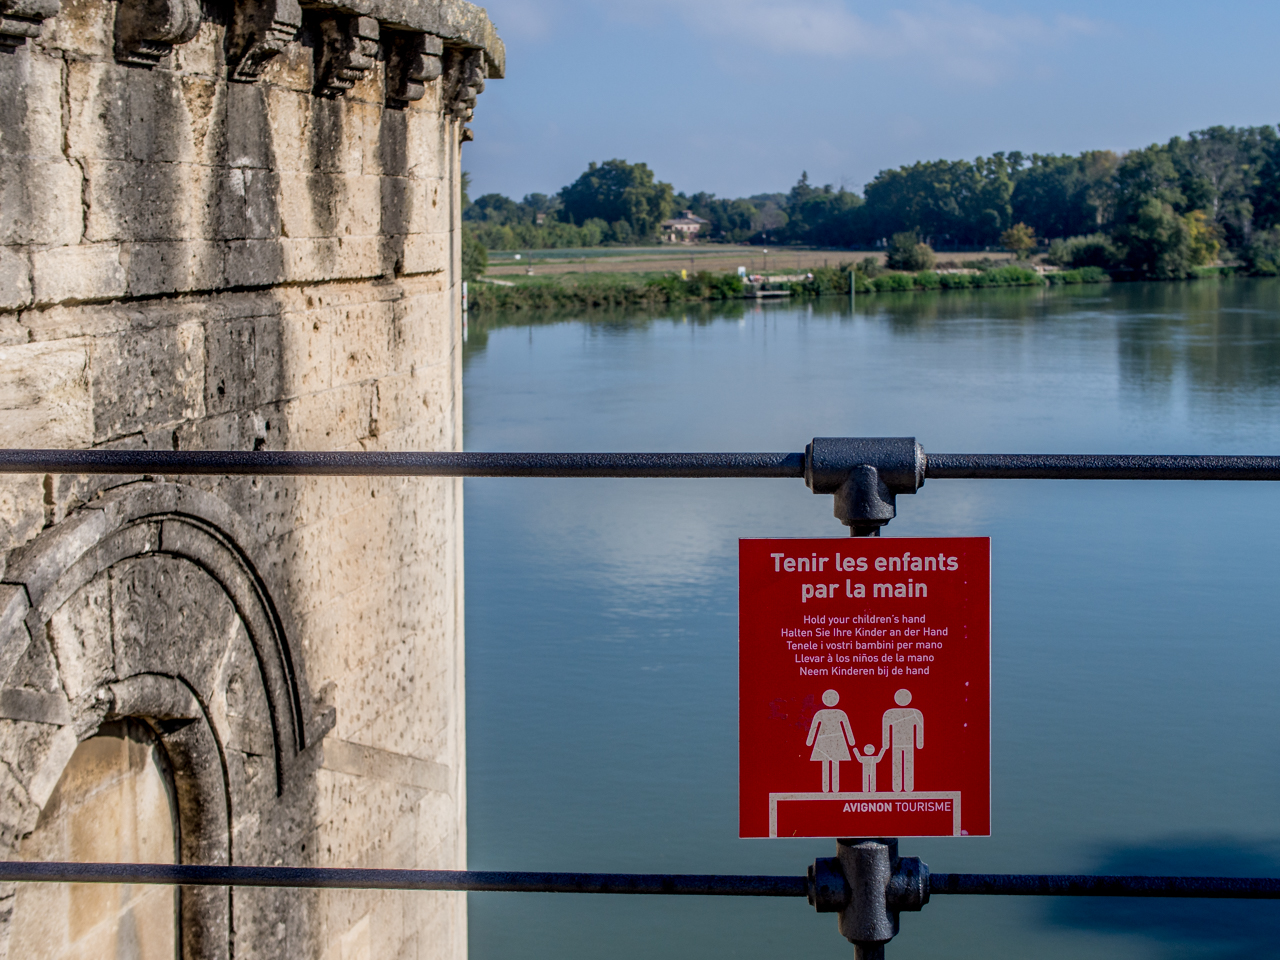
{"x": 146, "y": 31}
{"x": 454, "y": 21}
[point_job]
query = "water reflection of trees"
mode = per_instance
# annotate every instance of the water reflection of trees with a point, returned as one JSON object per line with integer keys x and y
{"x": 1216, "y": 336}
{"x": 1219, "y": 337}
{"x": 1208, "y": 929}
{"x": 602, "y": 320}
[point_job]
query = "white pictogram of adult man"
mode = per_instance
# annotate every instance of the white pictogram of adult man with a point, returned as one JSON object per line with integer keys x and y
{"x": 902, "y": 731}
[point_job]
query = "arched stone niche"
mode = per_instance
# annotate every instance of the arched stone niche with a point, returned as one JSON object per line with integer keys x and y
{"x": 144, "y": 608}
{"x": 113, "y": 802}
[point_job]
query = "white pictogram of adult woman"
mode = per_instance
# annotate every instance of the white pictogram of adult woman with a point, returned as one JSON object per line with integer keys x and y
{"x": 830, "y": 735}
{"x": 903, "y": 733}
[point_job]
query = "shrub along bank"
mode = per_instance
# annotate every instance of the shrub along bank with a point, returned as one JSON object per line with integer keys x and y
{"x": 638, "y": 289}
{"x": 602, "y": 290}
{"x": 835, "y": 280}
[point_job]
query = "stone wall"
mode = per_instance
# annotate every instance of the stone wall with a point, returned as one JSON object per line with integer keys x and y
{"x": 234, "y": 226}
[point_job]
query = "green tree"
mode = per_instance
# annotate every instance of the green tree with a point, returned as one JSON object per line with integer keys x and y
{"x": 1065, "y": 196}
{"x": 1221, "y": 170}
{"x": 1265, "y": 196}
{"x": 1157, "y": 241}
{"x": 494, "y": 208}
{"x": 616, "y": 191}
{"x": 1262, "y": 254}
{"x": 475, "y": 258}
{"x": 907, "y": 252}
{"x": 950, "y": 201}
{"x": 1018, "y": 239}
{"x": 822, "y": 216}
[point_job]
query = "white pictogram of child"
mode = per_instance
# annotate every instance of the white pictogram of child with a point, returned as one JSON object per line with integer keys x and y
{"x": 869, "y": 758}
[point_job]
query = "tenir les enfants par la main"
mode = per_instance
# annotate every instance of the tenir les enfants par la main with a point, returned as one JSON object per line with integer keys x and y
{"x": 907, "y": 563}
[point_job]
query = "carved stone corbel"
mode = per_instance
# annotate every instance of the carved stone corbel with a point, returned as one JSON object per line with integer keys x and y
{"x": 260, "y": 32}
{"x": 413, "y": 61}
{"x": 464, "y": 81}
{"x": 349, "y": 51}
{"x": 146, "y": 30}
{"x": 21, "y": 19}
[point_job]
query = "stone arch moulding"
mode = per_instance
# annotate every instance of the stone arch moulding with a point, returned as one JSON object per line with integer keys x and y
{"x": 143, "y": 604}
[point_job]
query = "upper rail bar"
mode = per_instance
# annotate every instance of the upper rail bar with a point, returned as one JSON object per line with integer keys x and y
{"x": 443, "y": 464}
{"x": 1007, "y": 884}
{"x": 994, "y": 466}
{"x": 1058, "y": 466}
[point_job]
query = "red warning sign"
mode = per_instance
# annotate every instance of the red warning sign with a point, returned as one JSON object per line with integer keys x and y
{"x": 864, "y": 685}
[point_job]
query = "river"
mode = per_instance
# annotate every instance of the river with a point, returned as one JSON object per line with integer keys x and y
{"x": 1135, "y": 629}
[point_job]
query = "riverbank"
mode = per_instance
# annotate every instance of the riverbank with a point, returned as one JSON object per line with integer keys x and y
{"x": 640, "y": 289}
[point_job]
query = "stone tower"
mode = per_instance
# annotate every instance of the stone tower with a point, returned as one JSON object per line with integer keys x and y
{"x": 233, "y": 225}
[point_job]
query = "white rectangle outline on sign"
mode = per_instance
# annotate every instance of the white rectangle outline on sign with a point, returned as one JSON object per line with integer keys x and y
{"x": 954, "y": 796}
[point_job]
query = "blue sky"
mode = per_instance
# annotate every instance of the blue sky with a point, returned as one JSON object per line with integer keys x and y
{"x": 739, "y": 96}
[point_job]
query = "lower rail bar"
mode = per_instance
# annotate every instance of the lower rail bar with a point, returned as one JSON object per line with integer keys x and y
{"x": 1069, "y": 885}
{"x": 971, "y": 884}
{"x": 246, "y": 876}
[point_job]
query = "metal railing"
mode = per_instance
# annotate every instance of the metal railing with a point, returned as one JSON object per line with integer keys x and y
{"x": 663, "y": 884}
{"x": 867, "y": 883}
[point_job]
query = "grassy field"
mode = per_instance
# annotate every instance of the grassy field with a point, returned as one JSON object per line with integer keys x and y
{"x": 672, "y": 258}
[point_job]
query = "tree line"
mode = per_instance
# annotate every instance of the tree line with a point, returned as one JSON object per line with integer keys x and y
{"x": 1159, "y": 211}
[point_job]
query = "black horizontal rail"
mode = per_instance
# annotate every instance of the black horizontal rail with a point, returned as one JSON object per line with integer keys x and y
{"x": 1070, "y": 885}
{"x": 476, "y": 880}
{"x": 428, "y": 464}
{"x": 1057, "y": 466}
{"x": 972, "y": 884}
{"x": 995, "y": 466}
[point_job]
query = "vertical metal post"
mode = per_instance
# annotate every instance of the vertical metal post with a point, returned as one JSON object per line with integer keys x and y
{"x": 868, "y": 884}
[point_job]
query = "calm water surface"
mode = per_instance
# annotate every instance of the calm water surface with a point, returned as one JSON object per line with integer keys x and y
{"x": 1136, "y": 706}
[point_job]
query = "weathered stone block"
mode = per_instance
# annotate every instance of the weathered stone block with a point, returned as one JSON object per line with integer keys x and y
{"x": 323, "y": 258}
{"x": 15, "y": 279}
{"x": 122, "y": 113}
{"x": 203, "y": 54}
{"x": 306, "y": 345}
{"x": 39, "y": 201}
{"x": 82, "y": 27}
{"x": 245, "y": 126}
{"x": 243, "y": 364}
{"x": 129, "y": 200}
{"x": 426, "y": 155}
{"x": 147, "y": 378}
{"x": 253, "y": 263}
{"x": 31, "y": 110}
{"x": 288, "y": 113}
{"x": 89, "y": 271}
{"x": 246, "y": 204}
{"x": 174, "y": 266}
{"x": 425, "y": 253}
{"x": 80, "y": 634}
{"x": 329, "y": 205}
{"x": 366, "y": 331}
{"x": 44, "y": 396}
{"x": 335, "y": 137}
{"x": 21, "y": 512}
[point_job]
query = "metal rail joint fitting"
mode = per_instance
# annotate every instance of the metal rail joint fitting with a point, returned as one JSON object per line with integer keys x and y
{"x": 868, "y": 884}
{"x": 865, "y": 474}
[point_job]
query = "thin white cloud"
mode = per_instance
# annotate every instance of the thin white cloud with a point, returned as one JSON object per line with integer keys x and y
{"x": 526, "y": 19}
{"x": 958, "y": 39}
